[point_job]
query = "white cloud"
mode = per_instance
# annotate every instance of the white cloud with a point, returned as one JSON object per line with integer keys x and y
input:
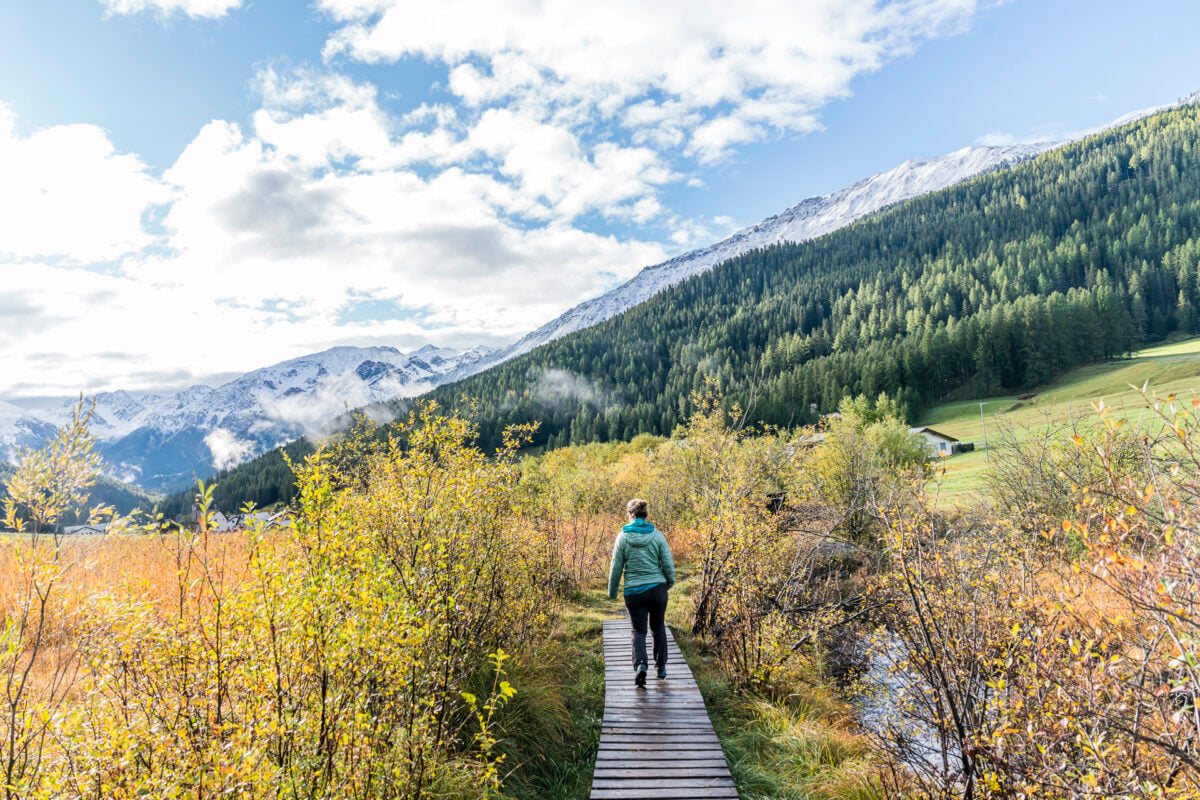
{"x": 1001, "y": 139}
{"x": 704, "y": 76}
{"x": 227, "y": 450}
{"x": 272, "y": 232}
{"x": 66, "y": 192}
{"x": 548, "y": 162}
{"x": 201, "y": 9}
{"x": 554, "y": 387}
{"x": 466, "y": 213}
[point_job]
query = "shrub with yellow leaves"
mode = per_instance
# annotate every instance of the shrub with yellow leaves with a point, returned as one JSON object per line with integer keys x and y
{"x": 1059, "y": 666}
{"x": 326, "y": 660}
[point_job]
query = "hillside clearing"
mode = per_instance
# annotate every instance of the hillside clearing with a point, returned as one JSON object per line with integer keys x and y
{"x": 1164, "y": 369}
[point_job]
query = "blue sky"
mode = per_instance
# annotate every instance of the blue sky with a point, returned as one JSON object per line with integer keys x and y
{"x": 208, "y": 186}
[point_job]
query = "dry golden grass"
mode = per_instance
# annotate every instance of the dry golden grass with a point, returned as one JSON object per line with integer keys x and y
{"x": 146, "y": 565}
{"x": 150, "y": 568}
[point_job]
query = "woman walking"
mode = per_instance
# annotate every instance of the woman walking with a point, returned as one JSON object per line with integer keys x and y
{"x": 643, "y": 556}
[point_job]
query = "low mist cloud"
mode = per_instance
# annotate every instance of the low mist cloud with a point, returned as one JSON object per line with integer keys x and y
{"x": 554, "y": 386}
{"x": 321, "y": 412}
{"x": 227, "y": 450}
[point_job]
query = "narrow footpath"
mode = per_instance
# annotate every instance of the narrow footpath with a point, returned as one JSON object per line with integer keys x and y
{"x": 656, "y": 743}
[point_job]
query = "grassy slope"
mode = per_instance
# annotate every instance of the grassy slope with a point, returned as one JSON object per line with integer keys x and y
{"x": 1167, "y": 369}
{"x": 799, "y": 747}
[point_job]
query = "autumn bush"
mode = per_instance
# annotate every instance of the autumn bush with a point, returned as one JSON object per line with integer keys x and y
{"x": 576, "y": 499}
{"x": 1060, "y": 664}
{"x": 781, "y": 526}
{"x": 333, "y": 660}
{"x": 1045, "y": 647}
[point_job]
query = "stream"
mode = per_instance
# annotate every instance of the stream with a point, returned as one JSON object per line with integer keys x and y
{"x": 883, "y": 704}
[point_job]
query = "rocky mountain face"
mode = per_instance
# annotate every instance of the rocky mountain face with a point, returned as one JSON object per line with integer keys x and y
{"x": 20, "y": 430}
{"x": 160, "y": 441}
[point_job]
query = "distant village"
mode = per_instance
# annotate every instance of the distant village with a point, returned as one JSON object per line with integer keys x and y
{"x": 220, "y": 523}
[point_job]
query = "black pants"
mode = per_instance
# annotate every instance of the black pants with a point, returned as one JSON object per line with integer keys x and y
{"x": 652, "y": 604}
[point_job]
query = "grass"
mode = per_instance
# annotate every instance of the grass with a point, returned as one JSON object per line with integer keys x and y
{"x": 548, "y": 731}
{"x": 799, "y": 747}
{"x": 802, "y": 746}
{"x": 1166, "y": 369}
{"x": 551, "y": 728}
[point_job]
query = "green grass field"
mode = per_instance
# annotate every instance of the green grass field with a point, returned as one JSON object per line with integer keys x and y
{"x": 1165, "y": 369}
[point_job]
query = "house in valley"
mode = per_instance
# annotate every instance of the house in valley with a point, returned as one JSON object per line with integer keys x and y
{"x": 942, "y": 444}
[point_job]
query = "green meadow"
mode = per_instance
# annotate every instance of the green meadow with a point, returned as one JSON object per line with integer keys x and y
{"x": 1164, "y": 370}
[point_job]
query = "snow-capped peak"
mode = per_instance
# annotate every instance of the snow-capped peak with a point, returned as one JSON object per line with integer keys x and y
{"x": 160, "y": 440}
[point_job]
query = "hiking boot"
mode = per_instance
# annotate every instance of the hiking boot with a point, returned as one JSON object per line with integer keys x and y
{"x": 662, "y": 674}
{"x": 639, "y": 678}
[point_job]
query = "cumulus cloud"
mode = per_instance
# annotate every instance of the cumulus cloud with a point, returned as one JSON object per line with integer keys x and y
{"x": 227, "y": 450}
{"x": 701, "y": 76}
{"x": 273, "y": 230}
{"x": 67, "y": 192}
{"x": 201, "y": 9}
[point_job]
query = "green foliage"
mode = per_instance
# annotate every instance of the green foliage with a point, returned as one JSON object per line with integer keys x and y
{"x": 795, "y": 747}
{"x": 490, "y": 761}
{"x": 36, "y": 678}
{"x": 332, "y": 659}
{"x": 577, "y": 497}
{"x": 49, "y": 482}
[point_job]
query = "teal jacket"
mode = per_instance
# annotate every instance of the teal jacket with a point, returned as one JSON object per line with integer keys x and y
{"x": 643, "y": 555}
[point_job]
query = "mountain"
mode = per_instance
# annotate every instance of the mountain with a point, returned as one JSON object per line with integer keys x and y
{"x": 996, "y": 284}
{"x": 20, "y": 430}
{"x": 160, "y": 441}
{"x": 991, "y": 286}
{"x": 809, "y": 219}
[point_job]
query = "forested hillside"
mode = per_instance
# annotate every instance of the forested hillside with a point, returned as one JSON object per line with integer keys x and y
{"x": 263, "y": 481}
{"x": 106, "y": 491}
{"x": 999, "y": 283}
{"x": 1002, "y": 282}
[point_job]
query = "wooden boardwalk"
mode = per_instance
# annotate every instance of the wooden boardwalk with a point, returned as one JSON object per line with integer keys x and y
{"x": 656, "y": 743}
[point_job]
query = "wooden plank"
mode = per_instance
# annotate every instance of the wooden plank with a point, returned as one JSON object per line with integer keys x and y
{"x": 636, "y": 758}
{"x": 652, "y": 729}
{"x": 666, "y": 748}
{"x": 623, "y": 760}
{"x": 682, "y": 793}
{"x": 660, "y": 772}
{"x": 654, "y": 724}
{"x": 656, "y": 742}
{"x": 681, "y": 743}
{"x": 660, "y": 783}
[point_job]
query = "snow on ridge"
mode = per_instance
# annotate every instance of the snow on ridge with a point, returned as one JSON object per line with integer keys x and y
{"x": 808, "y": 219}
{"x": 142, "y": 433}
{"x": 19, "y": 430}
